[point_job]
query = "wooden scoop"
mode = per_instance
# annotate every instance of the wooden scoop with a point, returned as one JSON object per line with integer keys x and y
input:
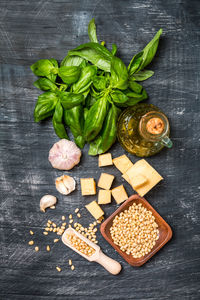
{"x": 108, "y": 263}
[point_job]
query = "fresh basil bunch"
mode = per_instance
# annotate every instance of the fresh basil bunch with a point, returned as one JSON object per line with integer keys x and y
{"x": 88, "y": 90}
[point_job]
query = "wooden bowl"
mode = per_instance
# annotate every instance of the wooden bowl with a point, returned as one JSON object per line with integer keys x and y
{"x": 165, "y": 232}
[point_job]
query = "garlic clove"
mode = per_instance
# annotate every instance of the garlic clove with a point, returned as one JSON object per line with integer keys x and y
{"x": 47, "y": 201}
{"x": 65, "y": 184}
{"x": 64, "y": 155}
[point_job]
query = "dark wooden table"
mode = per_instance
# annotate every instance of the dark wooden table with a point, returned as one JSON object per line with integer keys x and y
{"x": 31, "y": 30}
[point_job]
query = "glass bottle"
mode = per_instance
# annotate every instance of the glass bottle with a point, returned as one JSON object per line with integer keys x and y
{"x": 143, "y": 130}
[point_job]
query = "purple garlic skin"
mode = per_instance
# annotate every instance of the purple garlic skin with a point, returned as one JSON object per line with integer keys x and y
{"x": 64, "y": 155}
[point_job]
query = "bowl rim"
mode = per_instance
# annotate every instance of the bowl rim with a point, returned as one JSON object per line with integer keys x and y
{"x": 135, "y": 261}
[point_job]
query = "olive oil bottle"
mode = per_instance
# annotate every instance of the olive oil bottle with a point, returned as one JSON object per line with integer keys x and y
{"x": 143, "y": 130}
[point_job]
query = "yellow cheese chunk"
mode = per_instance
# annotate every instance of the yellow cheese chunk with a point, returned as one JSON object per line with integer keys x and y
{"x": 142, "y": 167}
{"x": 105, "y": 181}
{"x": 95, "y": 209}
{"x": 105, "y": 160}
{"x": 104, "y": 197}
{"x": 138, "y": 180}
{"x": 122, "y": 163}
{"x": 119, "y": 194}
{"x": 88, "y": 186}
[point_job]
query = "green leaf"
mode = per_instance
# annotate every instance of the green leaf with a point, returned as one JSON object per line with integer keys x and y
{"x": 74, "y": 118}
{"x": 95, "y": 118}
{"x": 142, "y": 75}
{"x": 119, "y": 74}
{"x": 99, "y": 82}
{"x": 70, "y": 100}
{"x": 135, "y": 63}
{"x": 133, "y": 98}
{"x": 43, "y": 67}
{"x": 114, "y": 49}
{"x": 45, "y": 105}
{"x": 97, "y": 54}
{"x": 92, "y": 31}
{"x": 85, "y": 79}
{"x": 69, "y": 61}
{"x": 58, "y": 122}
{"x": 108, "y": 133}
{"x": 135, "y": 87}
{"x": 45, "y": 84}
{"x": 118, "y": 96}
{"x": 69, "y": 74}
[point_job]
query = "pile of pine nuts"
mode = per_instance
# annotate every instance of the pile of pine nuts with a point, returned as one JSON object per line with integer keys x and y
{"x": 80, "y": 245}
{"x": 135, "y": 231}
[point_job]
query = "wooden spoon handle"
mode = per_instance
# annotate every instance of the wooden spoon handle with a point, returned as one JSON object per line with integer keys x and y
{"x": 108, "y": 263}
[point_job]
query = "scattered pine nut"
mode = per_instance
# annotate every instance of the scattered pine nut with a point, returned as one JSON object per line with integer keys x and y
{"x": 56, "y": 240}
{"x": 47, "y": 228}
{"x": 72, "y": 267}
{"x": 49, "y": 221}
{"x": 48, "y": 225}
{"x": 52, "y": 207}
{"x": 45, "y": 232}
{"x": 31, "y": 232}
{"x": 70, "y": 216}
{"x": 78, "y": 215}
{"x": 54, "y": 225}
{"x": 31, "y": 243}
{"x": 36, "y": 248}
{"x": 63, "y": 218}
{"x": 48, "y": 248}
{"x": 70, "y": 262}
{"x": 58, "y": 269}
{"x": 71, "y": 221}
{"x": 64, "y": 224}
{"x": 76, "y": 210}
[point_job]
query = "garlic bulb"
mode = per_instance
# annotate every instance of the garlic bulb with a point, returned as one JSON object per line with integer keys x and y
{"x": 65, "y": 184}
{"x": 64, "y": 155}
{"x": 47, "y": 201}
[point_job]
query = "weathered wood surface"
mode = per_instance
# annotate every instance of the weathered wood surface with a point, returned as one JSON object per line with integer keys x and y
{"x": 31, "y": 30}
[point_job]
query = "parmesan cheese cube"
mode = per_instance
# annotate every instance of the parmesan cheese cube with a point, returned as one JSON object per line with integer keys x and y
{"x": 88, "y": 186}
{"x": 122, "y": 163}
{"x": 105, "y": 181}
{"x": 104, "y": 197}
{"x": 119, "y": 194}
{"x": 105, "y": 160}
{"x": 143, "y": 177}
{"x": 95, "y": 210}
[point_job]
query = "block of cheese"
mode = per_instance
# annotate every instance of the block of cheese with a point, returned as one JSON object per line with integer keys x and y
{"x": 122, "y": 163}
{"x": 119, "y": 194}
{"x": 104, "y": 197}
{"x": 105, "y": 181}
{"x": 143, "y": 177}
{"x": 105, "y": 160}
{"x": 88, "y": 186}
{"x": 95, "y": 209}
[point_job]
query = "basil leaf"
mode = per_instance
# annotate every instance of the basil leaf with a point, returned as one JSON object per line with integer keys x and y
{"x": 85, "y": 79}
{"x": 69, "y": 74}
{"x": 69, "y": 61}
{"x": 99, "y": 82}
{"x": 97, "y": 54}
{"x": 43, "y": 67}
{"x": 92, "y": 31}
{"x": 58, "y": 122}
{"x": 135, "y": 87}
{"x": 74, "y": 118}
{"x": 90, "y": 100}
{"x": 108, "y": 133}
{"x": 142, "y": 75}
{"x": 70, "y": 100}
{"x": 45, "y": 84}
{"x": 45, "y": 105}
{"x": 135, "y": 63}
{"x": 150, "y": 50}
{"x": 118, "y": 96}
{"x": 133, "y": 98}
{"x": 95, "y": 118}
{"x": 114, "y": 49}
{"x": 119, "y": 74}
